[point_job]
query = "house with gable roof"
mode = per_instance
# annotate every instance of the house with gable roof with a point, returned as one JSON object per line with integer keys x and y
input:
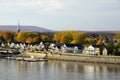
{"x": 95, "y": 50}
{"x": 71, "y": 48}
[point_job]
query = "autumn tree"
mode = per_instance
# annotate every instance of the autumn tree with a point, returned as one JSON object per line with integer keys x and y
{"x": 33, "y": 37}
{"x": 32, "y": 34}
{"x": 36, "y": 39}
{"x": 22, "y": 36}
{"x": 57, "y": 36}
{"x": 64, "y": 37}
{"x": 89, "y": 40}
{"x": 74, "y": 42}
{"x": 117, "y": 35}
{"x": 44, "y": 38}
{"x": 8, "y": 35}
{"x": 100, "y": 42}
{"x": 79, "y": 38}
{"x": 70, "y": 37}
{"x": 118, "y": 43}
{"x": 29, "y": 40}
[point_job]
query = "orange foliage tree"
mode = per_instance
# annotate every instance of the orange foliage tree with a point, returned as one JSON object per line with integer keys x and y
{"x": 29, "y": 40}
{"x": 57, "y": 37}
{"x": 33, "y": 37}
{"x": 70, "y": 37}
{"x": 8, "y": 35}
{"x": 36, "y": 39}
{"x": 64, "y": 39}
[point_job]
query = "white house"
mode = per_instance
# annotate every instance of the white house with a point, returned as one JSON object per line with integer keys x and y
{"x": 95, "y": 50}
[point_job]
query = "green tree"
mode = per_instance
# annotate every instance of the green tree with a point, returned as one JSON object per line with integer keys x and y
{"x": 1, "y": 39}
{"x": 110, "y": 47}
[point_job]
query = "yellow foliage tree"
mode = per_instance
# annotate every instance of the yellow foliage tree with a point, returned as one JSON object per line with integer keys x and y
{"x": 117, "y": 35}
{"x": 100, "y": 42}
{"x": 79, "y": 37}
{"x": 22, "y": 36}
{"x": 74, "y": 42}
{"x": 89, "y": 40}
{"x": 44, "y": 38}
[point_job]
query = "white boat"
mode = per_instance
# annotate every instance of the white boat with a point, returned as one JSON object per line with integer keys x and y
{"x": 33, "y": 60}
{"x": 10, "y": 58}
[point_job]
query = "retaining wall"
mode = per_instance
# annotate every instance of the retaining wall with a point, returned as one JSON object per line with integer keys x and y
{"x": 80, "y": 58}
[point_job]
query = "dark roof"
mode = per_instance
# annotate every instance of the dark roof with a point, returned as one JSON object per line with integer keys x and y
{"x": 99, "y": 46}
{"x": 73, "y": 45}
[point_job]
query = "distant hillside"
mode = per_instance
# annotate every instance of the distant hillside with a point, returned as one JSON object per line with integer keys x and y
{"x": 24, "y": 28}
{"x": 102, "y": 32}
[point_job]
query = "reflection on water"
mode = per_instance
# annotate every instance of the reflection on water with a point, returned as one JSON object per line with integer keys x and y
{"x": 57, "y": 70}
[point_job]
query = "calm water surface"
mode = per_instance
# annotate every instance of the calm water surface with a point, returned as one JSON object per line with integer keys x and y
{"x": 57, "y": 70}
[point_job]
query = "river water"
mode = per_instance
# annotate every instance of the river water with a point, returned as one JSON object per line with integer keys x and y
{"x": 57, "y": 70}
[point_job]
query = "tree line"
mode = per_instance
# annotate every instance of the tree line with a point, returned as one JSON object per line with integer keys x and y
{"x": 112, "y": 42}
{"x": 24, "y": 37}
{"x": 65, "y": 37}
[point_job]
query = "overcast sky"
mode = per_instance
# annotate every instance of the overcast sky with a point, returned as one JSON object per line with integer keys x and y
{"x": 62, "y": 14}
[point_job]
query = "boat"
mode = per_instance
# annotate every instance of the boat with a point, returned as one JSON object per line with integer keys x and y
{"x": 19, "y": 58}
{"x": 9, "y": 58}
{"x": 33, "y": 60}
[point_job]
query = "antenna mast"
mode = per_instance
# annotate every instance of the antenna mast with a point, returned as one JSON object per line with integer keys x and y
{"x": 18, "y": 27}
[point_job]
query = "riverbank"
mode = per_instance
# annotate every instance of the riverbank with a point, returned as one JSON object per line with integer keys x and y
{"x": 76, "y": 57}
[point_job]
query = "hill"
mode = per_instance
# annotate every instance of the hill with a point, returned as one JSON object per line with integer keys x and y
{"x": 24, "y": 28}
